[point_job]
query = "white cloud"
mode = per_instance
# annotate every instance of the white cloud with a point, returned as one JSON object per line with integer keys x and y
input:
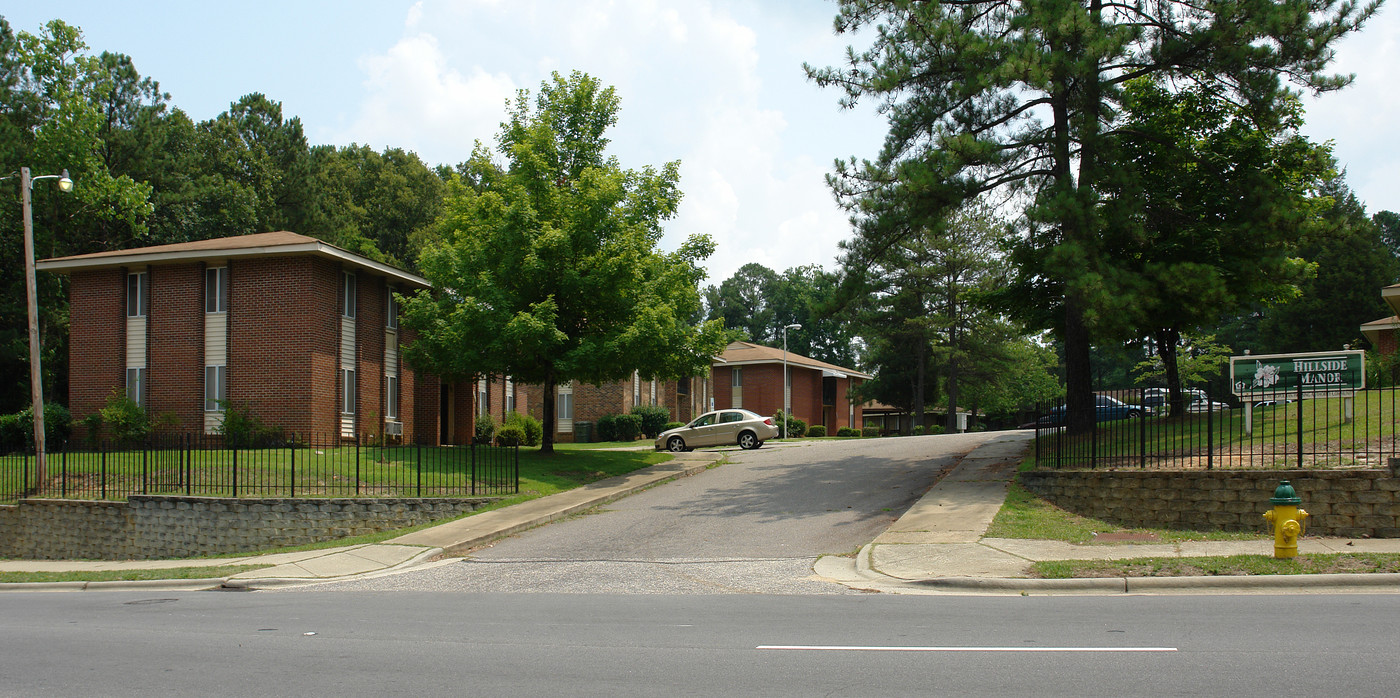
{"x": 416, "y": 100}
{"x": 696, "y": 83}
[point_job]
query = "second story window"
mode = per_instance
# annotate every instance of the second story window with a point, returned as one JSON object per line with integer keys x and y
{"x": 347, "y": 295}
{"x": 138, "y": 292}
{"x": 216, "y": 290}
{"x": 738, "y": 377}
{"x": 391, "y": 315}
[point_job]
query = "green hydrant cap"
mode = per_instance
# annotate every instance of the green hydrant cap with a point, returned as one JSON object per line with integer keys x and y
{"x": 1284, "y": 494}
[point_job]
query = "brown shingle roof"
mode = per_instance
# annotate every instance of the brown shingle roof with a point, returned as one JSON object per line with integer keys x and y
{"x": 258, "y": 244}
{"x": 750, "y": 353}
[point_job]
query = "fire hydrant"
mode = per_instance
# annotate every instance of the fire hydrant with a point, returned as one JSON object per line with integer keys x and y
{"x": 1286, "y": 519}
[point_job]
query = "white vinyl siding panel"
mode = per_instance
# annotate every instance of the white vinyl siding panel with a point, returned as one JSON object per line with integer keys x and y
{"x": 347, "y": 372}
{"x": 215, "y": 354}
{"x": 136, "y": 342}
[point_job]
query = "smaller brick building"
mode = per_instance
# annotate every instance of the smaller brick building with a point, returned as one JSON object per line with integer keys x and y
{"x": 1382, "y": 333}
{"x": 750, "y": 376}
{"x": 303, "y": 334}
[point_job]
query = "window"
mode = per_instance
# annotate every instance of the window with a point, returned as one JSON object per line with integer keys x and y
{"x": 136, "y": 386}
{"x": 391, "y": 397}
{"x": 653, "y": 391}
{"x": 727, "y": 417}
{"x": 391, "y": 315}
{"x": 482, "y": 397}
{"x": 138, "y": 292}
{"x": 636, "y": 388}
{"x": 738, "y": 377}
{"x": 565, "y": 408}
{"x": 683, "y": 387}
{"x": 215, "y": 388}
{"x": 347, "y": 391}
{"x": 216, "y": 290}
{"x": 347, "y": 295}
{"x": 510, "y": 394}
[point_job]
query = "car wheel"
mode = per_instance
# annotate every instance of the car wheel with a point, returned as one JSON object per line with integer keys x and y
{"x": 675, "y": 444}
{"x": 1134, "y": 414}
{"x": 749, "y": 441}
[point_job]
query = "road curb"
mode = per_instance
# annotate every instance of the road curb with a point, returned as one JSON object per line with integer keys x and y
{"x": 1130, "y": 585}
{"x": 119, "y": 585}
{"x": 255, "y": 583}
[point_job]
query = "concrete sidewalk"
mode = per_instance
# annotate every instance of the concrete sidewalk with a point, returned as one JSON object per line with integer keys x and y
{"x": 940, "y": 544}
{"x": 399, "y": 553}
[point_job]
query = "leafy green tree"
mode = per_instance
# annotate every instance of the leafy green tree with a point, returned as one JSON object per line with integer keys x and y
{"x": 756, "y": 303}
{"x": 1215, "y": 203}
{"x": 552, "y": 273}
{"x": 1021, "y": 99}
{"x": 1352, "y": 264}
{"x": 745, "y": 301}
{"x": 1388, "y": 226}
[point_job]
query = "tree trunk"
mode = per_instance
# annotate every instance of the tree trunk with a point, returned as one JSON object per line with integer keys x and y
{"x": 920, "y": 382}
{"x": 547, "y": 410}
{"x": 1168, "y": 339}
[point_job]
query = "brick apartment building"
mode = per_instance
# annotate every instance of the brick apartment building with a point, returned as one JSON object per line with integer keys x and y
{"x": 303, "y": 334}
{"x": 750, "y": 376}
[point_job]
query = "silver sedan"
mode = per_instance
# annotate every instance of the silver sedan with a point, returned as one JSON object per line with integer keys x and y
{"x": 719, "y": 428}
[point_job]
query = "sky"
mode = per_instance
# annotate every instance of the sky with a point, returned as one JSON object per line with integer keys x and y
{"x": 715, "y": 84}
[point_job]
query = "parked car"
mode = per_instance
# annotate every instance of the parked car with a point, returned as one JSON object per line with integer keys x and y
{"x": 719, "y": 428}
{"x": 1155, "y": 397}
{"x": 1204, "y": 404}
{"x": 1106, "y": 409}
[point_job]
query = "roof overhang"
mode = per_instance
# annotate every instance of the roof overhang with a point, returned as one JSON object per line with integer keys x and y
{"x": 1374, "y": 329}
{"x": 68, "y": 265}
{"x": 1391, "y": 295}
{"x": 827, "y": 373}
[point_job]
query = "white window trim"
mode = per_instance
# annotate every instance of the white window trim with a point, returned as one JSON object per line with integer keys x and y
{"x": 348, "y": 291}
{"x": 219, "y": 393}
{"x": 391, "y": 397}
{"x": 391, "y": 314}
{"x": 143, "y": 293}
{"x": 347, "y": 391}
{"x": 136, "y": 389}
{"x": 220, "y": 288}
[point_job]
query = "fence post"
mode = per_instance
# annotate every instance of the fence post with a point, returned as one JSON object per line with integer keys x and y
{"x": 292, "y": 449}
{"x": 517, "y": 468}
{"x": 1142, "y": 429}
{"x": 144, "y": 453}
{"x": 473, "y": 453}
{"x": 1210, "y": 435}
{"x": 1300, "y": 422}
{"x": 235, "y": 471}
{"x": 102, "y": 476}
{"x": 188, "y": 443}
{"x": 420, "y": 470}
{"x": 357, "y": 464}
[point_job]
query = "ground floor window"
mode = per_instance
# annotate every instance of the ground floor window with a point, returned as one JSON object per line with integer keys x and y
{"x": 136, "y": 386}
{"x": 347, "y": 391}
{"x": 215, "y": 388}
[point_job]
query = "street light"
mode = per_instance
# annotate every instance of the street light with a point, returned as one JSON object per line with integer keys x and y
{"x": 787, "y": 414}
{"x": 36, "y": 384}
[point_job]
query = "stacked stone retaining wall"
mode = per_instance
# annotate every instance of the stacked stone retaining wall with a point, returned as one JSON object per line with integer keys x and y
{"x": 151, "y": 527}
{"x": 1346, "y": 503}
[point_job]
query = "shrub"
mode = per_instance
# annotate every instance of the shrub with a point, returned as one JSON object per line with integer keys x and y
{"x": 918, "y": 430}
{"x": 870, "y": 431}
{"x": 628, "y": 427}
{"x": 653, "y": 418}
{"x": 935, "y": 429}
{"x": 847, "y": 432}
{"x": 510, "y": 435}
{"x": 795, "y": 426}
{"x": 17, "y": 430}
{"x": 93, "y": 424}
{"x": 672, "y": 425}
{"x": 531, "y": 427}
{"x": 816, "y": 431}
{"x": 241, "y": 428}
{"x": 129, "y": 423}
{"x": 485, "y": 429}
{"x": 606, "y": 427}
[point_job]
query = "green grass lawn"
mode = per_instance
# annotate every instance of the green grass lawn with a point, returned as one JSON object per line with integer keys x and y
{"x": 1332, "y": 563}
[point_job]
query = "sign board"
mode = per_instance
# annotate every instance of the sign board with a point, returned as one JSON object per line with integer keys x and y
{"x": 1272, "y": 375}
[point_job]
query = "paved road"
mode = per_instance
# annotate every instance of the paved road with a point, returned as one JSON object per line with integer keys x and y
{"x": 402, "y": 643}
{"x": 753, "y": 525}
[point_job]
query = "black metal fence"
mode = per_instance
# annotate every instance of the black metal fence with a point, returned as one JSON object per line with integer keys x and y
{"x": 203, "y": 465}
{"x": 1287, "y": 428}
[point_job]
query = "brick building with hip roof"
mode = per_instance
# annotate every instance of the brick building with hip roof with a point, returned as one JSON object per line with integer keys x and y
{"x": 301, "y": 333}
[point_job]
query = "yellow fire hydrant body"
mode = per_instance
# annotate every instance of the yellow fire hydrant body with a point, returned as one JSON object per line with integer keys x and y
{"x": 1286, "y": 519}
